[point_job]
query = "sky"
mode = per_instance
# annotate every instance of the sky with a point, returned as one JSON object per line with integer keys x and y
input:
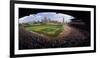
{"x": 50, "y": 15}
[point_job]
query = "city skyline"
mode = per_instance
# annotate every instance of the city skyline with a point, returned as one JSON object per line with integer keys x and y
{"x": 49, "y": 15}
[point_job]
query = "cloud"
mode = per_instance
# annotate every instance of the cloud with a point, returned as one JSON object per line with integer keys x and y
{"x": 50, "y": 15}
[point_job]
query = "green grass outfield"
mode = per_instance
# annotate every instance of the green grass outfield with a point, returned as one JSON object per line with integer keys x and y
{"x": 51, "y": 30}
